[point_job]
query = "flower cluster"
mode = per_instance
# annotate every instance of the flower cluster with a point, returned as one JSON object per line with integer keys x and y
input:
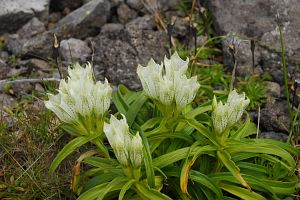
{"x": 226, "y": 115}
{"x": 128, "y": 148}
{"x": 168, "y": 82}
{"x": 81, "y": 101}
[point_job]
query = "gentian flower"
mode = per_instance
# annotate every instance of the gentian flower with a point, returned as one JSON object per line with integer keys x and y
{"x": 80, "y": 101}
{"x": 167, "y": 83}
{"x": 128, "y": 148}
{"x": 227, "y": 115}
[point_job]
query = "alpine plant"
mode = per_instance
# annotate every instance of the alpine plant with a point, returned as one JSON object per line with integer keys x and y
{"x": 225, "y": 116}
{"x": 167, "y": 82}
{"x": 81, "y": 101}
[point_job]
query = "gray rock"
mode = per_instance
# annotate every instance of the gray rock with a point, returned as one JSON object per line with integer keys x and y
{"x": 8, "y": 119}
{"x": 160, "y": 5}
{"x": 54, "y": 17}
{"x": 4, "y": 56}
{"x": 243, "y": 55}
{"x": 85, "y": 20}
{"x": 273, "y": 89}
{"x": 39, "y": 64}
{"x": 32, "y": 28}
{"x": 17, "y": 70}
{"x": 59, "y": 5}
{"x": 181, "y": 27}
{"x": 30, "y": 40}
{"x": 22, "y": 89}
{"x": 141, "y": 23}
{"x": 125, "y": 14}
{"x": 120, "y": 49}
{"x": 15, "y": 13}
{"x": 274, "y": 135}
{"x": 74, "y": 50}
{"x": 168, "y": 5}
{"x": 115, "y": 3}
{"x": 135, "y": 4}
{"x": 112, "y": 28}
{"x": 40, "y": 45}
{"x": 7, "y": 101}
{"x": 257, "y": 19}
{"x": 4, "y": 69}
{"x": 277, "y": 75}
{"x": 275, "y": 117}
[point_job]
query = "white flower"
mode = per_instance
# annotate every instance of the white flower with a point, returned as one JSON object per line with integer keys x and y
{"x": 226, "y": 115}
{"x": 136, "y": 151}
{"x": 80, "y": 99}
{"x": 185, "y": 89}
{"x": 150, "y": 76}
{"x": 169, "y": 84}
{"x": 219, "y": 116}
{"x": 237, "y": 104}
{"x": 127, "y": 148}
{"x": 175, "y": 64}
{"x": 116, "y": 133}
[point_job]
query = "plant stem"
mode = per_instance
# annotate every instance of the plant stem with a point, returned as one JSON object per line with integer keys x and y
{"x": 98, "y": 142}
{"x": 293, "y": 125}
{"x": 285, "y": 72}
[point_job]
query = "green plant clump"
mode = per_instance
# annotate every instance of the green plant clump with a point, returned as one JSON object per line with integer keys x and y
{"x": 157, "y": 146}
{"x": 255, "y": 89}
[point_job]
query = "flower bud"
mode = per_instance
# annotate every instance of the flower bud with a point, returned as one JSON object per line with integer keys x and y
{"x": 136, "y": 151}
{"x": 228, "y": 114}
{"x": 127, "y": 148}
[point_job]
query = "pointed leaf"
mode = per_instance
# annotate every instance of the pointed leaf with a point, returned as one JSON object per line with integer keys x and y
{"x": 151, "y": 193}
{"x": 206, "y": 181}
{"x": 241, "y": 192}
{"x": 67, "y": 150}
{"x": 125, "y": 188}
{"x": 232, "y": 167}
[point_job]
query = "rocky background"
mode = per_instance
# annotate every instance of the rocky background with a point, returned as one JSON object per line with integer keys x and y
{"x": 119, "y": 34}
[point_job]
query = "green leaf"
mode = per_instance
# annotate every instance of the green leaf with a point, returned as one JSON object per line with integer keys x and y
{"x": 288, "y": 147}
{"x": 165, "y": 135}
{"x": 281, "y": 187}
{"x": 179, "y": 154}
{"x": 259, "y": 147}
{"x": 119, "y": 101}
{"x": 151, "y": 123}
{"x": 256, "y": 183}
{"x": 100, "y": 191}
{"x": 125, "y": 188}
{"x": 70, "y": 129}
{"x": 135, "y": 107}
{"x": 206, "y": 181}
{"x": 113, "y": 185}
{"x": 197, "y": 111}
{"x": 67, "y": 150}
{"x": 241, "y": 192}
{"x": 232, "y": 167}
{"x": 98, "y": 179}
{"x": 160, "y": 128}
{"x": 173, "y": 184}
{"x": 147, "y": 159}
{"x": 104, "y": 164}
{"x": 203, "y": 130}
{"x": 92, "y": 193}
{"x": 151, "y": 193}
{"x": 245, "y": 130}
{"x": 258, "y": 169}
